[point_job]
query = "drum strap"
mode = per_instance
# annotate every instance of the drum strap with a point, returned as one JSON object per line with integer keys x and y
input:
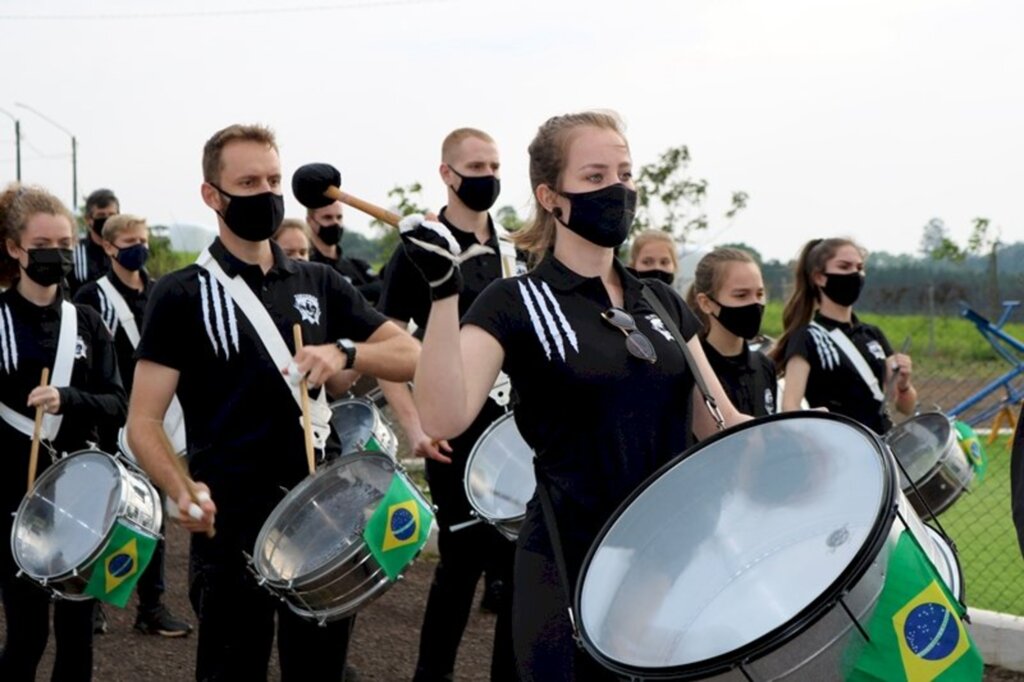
{"x": 551, "y": 521}
{"x": 506, "y": 251}
{"x": 174, "y": 418}
{"x": 702, "y": 385}
{"x": 844, "y": 344}
{"x": 67, "y": 339}
{"x": 268, "y": 333}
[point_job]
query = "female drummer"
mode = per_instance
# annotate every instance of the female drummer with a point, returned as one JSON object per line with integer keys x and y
{"x": 728, "y": 296}
{"x": 829, "y": 356}
{"x": 38, "y": 237}
{"x": 604, "y": 393}
{"x": 653, "y": 254}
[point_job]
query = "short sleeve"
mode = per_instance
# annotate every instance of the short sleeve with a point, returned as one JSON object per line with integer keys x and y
{"x": 799, "y": 345}
{"x": 403, "y": 287}
{"x": 350, "y": 315}
{"x": 167, "y": 316}
{"x": 495, "y": 311}
{"x": 681, "y": 314}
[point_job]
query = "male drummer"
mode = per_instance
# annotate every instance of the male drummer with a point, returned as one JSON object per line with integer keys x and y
{"x": 245, "y": 438}
{"x": 126, "y": 288}
{"x": 470, "y": 170}
{"x": 90, "y": 258}
{"x": 326, "y": 230}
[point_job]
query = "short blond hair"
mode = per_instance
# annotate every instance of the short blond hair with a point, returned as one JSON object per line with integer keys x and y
{"x": 214, "y": 147}
{"x": 455, "y": 138}
{"x": 122, "y": 222}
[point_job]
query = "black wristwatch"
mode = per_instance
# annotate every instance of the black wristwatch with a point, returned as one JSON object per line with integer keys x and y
{"x": 349, "y": 349}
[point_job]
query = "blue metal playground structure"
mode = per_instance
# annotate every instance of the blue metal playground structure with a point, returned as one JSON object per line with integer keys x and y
{"x": 978, "y": 409}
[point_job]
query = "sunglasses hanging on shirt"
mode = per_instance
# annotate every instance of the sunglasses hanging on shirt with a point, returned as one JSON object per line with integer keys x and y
{"x": 638, "y": 345}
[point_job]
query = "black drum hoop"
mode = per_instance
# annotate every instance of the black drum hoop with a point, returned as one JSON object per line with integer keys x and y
{"x": 789, "y": 630}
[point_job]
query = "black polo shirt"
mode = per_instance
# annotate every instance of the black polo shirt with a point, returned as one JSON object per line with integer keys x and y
{"x": 90, "y": 263}
{"x": 91, "y": 295}
{"x": 600, "y": 420}
{"x": 748, "y": 379}
{"x": 28, "y": 343}
{"x": 406, "y": 295}
{"x": 834, "y": 382}
{"x": 242, "y": 423}
{"x": 356, "y": 272}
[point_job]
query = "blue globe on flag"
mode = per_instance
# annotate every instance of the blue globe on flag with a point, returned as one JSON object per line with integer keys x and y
{"x": 931, "y": 631}
{"x": 403, "y": 525}
{"x": 121, "y": 565}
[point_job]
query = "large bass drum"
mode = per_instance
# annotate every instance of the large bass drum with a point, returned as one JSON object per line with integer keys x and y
{"x": 756, "y": 555}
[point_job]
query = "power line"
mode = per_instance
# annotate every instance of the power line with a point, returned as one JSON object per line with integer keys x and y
{"x": 364, "y": 4}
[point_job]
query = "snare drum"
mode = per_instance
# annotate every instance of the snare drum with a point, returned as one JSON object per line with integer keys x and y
{"x": 361, "y": 427}
{"x": 927, "y": 448}
{"x": 66, "y": 523}
{"x": 759, "y": 554}
{"x": 310, "y": 551}
{"x": 499, "y": 476}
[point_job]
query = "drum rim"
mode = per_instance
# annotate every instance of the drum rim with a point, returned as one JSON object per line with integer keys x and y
{"x": 488, "y": 518}
{"x": 948, "y": 545}
{"x": 275, "y": 514}
{"x": 951, "y": 444}
{"x": 88, "y": 560}
{"x": 379, "y": 423}
{"x": 785, "y": 632}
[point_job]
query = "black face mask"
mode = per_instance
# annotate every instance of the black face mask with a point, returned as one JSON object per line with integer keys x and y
{"x": 97, "y": 225}
{"x": 253, "y": 217}
{"x": 742, "y": 320}
{"x": 330, "y": 234}
{"x": 843, "y": 289}
{"x": 662, "y": 275}
{"x": 47, "y": 267}
{"x": 602, "y": 217}
{"x": 478, "y": 193}
{"x": 133, "y": 257}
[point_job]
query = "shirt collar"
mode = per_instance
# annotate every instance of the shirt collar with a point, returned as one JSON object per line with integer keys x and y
{"x": 467, "y": 239}
{"x": 126, "y": 290}
{"x": 558, "y": 275}
{"x": 743, "y": 361}
{"x": 26, "y": 307}
{"x": 232, "y": 265}
{"x": 829, "y": 323}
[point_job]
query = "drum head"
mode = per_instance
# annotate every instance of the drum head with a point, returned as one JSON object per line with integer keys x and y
{"x": 322, "y": 519}
{"x": 353, "y": 420}
{"x": 68, "y": 515}
{"x": 737, "y": 545}
{"x": 949, "y": 567}
{"x": 499, "y": 472}
{"x": 920, "y": 443}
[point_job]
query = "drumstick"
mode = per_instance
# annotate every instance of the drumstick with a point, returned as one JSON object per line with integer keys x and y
{"x": 381, "y": 214}
{"x": 307, "y": 421}
{"x": 183, "y": 474}
{"x": 37, "y": 431}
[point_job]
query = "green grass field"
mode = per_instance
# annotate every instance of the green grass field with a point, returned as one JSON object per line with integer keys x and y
{"x": 981, "y": 525}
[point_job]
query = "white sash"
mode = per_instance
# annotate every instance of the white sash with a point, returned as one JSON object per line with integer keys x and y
{"x": 174, "y": 418}
{"x": 844, "y": 344}
{"x": 506, "y": 251}
{"x": 268, "y": 333}
{"x": 61, "y": 377}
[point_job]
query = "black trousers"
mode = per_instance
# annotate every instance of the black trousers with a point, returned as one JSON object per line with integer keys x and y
{"x": 465, "y": 555}
{"x": 237, "y": 618}
{"x": 151, "y": 586}
{"x": 27, "y": 613}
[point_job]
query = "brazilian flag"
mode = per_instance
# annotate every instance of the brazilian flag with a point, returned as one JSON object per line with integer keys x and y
{"x": 116, "y": 571}
{"x": 917, "y": 631}
{"x": 398, "y": 528}
{"x": 971, "y": 445}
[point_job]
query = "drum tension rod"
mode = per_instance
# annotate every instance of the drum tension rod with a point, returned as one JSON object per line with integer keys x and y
{"x": 860, "y": 629}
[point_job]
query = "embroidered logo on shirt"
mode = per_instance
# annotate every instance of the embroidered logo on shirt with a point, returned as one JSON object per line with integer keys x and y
{"x": 8, "y": 342}
{"x": 547, "y": 318}
{"x": 828, "y": 354}
{"x": 308, "y": 307}
{"x": 219, "y": 315}
{"x": 107, "y": 313}
{"x": 659, "y": 326}
{"x": 769, "y": 401}
{"x": 875, "y": 348}
{"x": 79, "y": 348}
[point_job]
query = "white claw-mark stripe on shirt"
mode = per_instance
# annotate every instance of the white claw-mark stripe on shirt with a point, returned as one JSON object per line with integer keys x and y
{"x": 8, "y": 342}
{"x": 550, "y": 321}
{"x": 218, "y": 307}
{"x": 827, "y": 351}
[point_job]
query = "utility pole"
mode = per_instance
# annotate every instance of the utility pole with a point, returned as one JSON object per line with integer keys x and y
{"x": 17, "y": 142}
{"x": 74, "y": 151}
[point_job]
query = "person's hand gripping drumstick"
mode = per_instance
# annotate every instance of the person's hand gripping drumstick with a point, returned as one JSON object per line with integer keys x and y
{"x": 43, "y": 400}
{"x": 196, "y": 507}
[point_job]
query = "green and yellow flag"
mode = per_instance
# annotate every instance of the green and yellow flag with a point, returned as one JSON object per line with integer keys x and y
{"x": 971, "y": 445}
{"x": 116, "y": 571}
{"x": 917, "y": 632}
{"x": 398, "y": 528}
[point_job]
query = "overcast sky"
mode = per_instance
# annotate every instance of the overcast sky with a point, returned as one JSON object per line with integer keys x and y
{"x": 852, "y": 117}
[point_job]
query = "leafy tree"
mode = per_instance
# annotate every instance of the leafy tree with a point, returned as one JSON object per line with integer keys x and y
{"x": 983, "y": 239}
{"x": 672, "y": 200}
{"x": 163, "y": 259}
{"x": 406, "y": 201}
{"x": 755, "y": 254}
{"x": 509, "y": 218}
